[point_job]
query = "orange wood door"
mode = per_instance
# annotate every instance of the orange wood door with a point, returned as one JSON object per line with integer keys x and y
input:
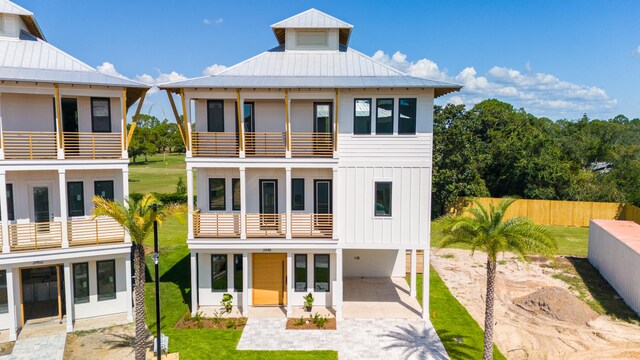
{"x": 269, "y": 279}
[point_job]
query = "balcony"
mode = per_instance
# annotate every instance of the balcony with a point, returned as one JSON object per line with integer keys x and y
{"x": 311, "y": 144}
{"x": 215, "y": 144}
{"x": 29, "y": 145}
{"x": 312, "y": 226}
{"x": 39, "y": 145}
{"x": 101, "y": 230}
{"x": 226, "y": 225}
{"x": 266, "y": 225}
{"x": 218, "y": 225}
{"x": 92, "y": 145}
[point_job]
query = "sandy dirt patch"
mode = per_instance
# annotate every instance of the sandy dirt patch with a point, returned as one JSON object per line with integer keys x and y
{"x": 536, "y": 332}
{"x": 110, "y": 343}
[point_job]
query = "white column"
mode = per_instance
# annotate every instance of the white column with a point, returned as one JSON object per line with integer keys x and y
{"x": 123, "y": 122}
{"x": 243, "y": 203}
{"x": 289, "y": 282}
{"x": 187, "y": 131}
{"x": 4, "y": 211}
{"x": 190, "y": 208}
{"x": 127, "y": 274}
{"x": 194, "y": 283}
{"x": 245, "y": 284}
{"x": 62, "y": 185}
{"x": 68, "y": 294}
{"x": 425, "y": 284}
{"x": 241, "y": 154}
{"x": 1, "y": 129}
{"x": 230, "y": 280}
{"x": 335, "y": 186}
{"x": 125, "y": 196}
{"x": 11, "y": 305}
{"x": 288, "y": 110}
{"x": 288, "y": 200}
{"x": 413, "y": 272}
{"x": 338, "y": 288}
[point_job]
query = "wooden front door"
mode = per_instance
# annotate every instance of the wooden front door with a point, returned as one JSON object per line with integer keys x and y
{"x": 269, "y": 279}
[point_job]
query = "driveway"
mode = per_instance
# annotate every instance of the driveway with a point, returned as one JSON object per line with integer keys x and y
{"x": 379, "y": 298}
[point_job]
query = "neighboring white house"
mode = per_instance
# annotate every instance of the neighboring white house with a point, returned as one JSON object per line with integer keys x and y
{"x": 325, "y": 174}
{"x": 63, "y": 141}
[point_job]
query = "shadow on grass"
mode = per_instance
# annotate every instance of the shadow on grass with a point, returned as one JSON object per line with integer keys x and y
{"x": 424, "y": 343}
{"x": 179, "y": 274}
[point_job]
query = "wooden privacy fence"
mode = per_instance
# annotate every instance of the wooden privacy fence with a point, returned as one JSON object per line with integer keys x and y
{"x": 557, "y": 212}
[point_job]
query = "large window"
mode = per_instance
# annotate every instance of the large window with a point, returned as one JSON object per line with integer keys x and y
{"x": 300, "y": 274}
{"x": 235, "y": 188}
{"x": 100, "y": 114}
{"x": 384, "y": 116}
{"x": 106, "y": 279}
{"x": 297, "y": 194}
{"x": 215, "y": 116}
{"x": 383, "y": 198}
{"x": 407, "y": 118}
{"x": 80, "y": 283}
{"x": 11, "y": 214}
{"x": 219, "y": 273}
{"x": 321, "y": 272}
{"x": 75, "y": 198}
{"x": 4, "y": 299}
{"x": 237, "y": 272}
{"x": 104, "y": 188}
{"x": 216, "y": 194}
{"x": 362, "y": 116}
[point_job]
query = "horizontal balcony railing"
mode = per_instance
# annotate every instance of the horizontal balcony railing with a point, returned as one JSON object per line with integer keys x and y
{"x": 92, "y": 145}
{"x": 29, "y": 145}
{"x": 35, "y": 236}
{"x": 221, "y": 225}
{"x": 215, "y": 144}
{"x": 311, "y": 144}
{"x": 266, "y": 225}
{"x": 101, "y": 230}
{"x": 311, "y": 225}
{"x": 265, "y": 144}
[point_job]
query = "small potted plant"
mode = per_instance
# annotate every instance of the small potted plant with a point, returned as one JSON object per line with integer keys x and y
{"x": 308, "y": 302}
{"x": 227, "y": 300}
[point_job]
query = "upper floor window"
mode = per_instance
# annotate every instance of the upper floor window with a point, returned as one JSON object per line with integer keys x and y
{"x": 75, "y": 198}
{"x": 407, "y": 118}
{"x": 11, "y": 214}
{"x": 383, "y": 198}
{"x": 384, "y": 116}
{"x": 216, "y": 194}
{"x": 297, "y": 194}
{"x": 235, "y": 195}
{"x": 215, "y": 116}
{"x": 362, "y": 116}
{"x": 101, "y": 114}
{"x": 311, "y": 38}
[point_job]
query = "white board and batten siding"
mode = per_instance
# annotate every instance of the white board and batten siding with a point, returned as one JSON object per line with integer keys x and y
{"x": 614, "y": 249}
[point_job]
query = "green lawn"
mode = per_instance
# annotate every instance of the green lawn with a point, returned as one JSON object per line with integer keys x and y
{"x": 160, "y": 174}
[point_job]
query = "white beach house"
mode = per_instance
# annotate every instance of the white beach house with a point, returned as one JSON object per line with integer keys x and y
{"x": 313, "y": 169}
{"x": 63, "y": 140}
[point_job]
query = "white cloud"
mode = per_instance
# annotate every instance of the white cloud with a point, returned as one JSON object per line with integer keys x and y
{"x": 107, "y": 68}
{"x": 161, "y": 78}
{"x": 217, "y": 21}
{"x": 206, "y": 22}
{"x": 539, "y": 93}
{"x": 213, "y": 69}
{"x": 636, "y": 52}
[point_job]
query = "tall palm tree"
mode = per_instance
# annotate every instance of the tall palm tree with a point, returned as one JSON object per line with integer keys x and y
{"x": 489, "y": 232}
{"x": 137, "y": 218}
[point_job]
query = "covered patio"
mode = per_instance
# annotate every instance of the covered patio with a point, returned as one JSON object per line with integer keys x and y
{"x": 379, "y": 298}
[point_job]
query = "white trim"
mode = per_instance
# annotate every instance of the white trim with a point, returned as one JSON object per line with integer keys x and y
{"x": 27, "y": 258}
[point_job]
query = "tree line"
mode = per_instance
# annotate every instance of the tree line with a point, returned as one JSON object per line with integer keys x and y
{"x": 152, "y": 136}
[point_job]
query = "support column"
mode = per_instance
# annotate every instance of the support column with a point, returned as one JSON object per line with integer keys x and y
{"x": 245, "y": 284}
{"x": 4, "y": 211}
{"x": 287, "y": 117}
{"x": 335, "y": 186}
{"x": 289, "y": 282}
{"x": 240, "y": 112}
{"x": 338, "y": 288}
{"x": 425, "y": 284}
{"x": 194, "y": 283}
{"x": 413, "y": 272}
{"x": 243, "y": 203}
{"x": 123, "y": 138}
{"x": 68, "y": 294}
{"x": 59, "y": 133}
{"x": 62, "y": 185}
{"x": 186, "y": 112}
{"x": 1, "y": 131}
{"x": 128, "y": 284}
{"x": 11, "y": 305}
{"x": 190, "y": 211}
{"x": 288, "y": 200}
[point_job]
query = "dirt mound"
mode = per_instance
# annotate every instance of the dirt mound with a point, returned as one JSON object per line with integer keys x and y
{"x": 557, "y": 303}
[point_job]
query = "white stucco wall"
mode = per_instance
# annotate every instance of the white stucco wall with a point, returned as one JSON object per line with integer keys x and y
{"x": 373, "y": 263}
{"x": 106, "y": 307}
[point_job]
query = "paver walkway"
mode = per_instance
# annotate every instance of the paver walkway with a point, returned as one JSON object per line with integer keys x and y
{"x": 354, "y": 339}
{"x": 39, "y": 341}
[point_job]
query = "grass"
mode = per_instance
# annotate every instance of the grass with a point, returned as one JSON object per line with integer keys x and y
{"x": 159, "y": 174}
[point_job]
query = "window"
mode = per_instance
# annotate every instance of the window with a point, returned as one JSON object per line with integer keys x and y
{"x": 104, "y": 188}
{"x": 215, "y": 116}
{"x": 4, "y": 300}
{"x": 219, "y": 273}
{"x": 80, "y": 283}
{"x": 101, "y": 114}
{"x": 237, "y": 272}
{"x": 300, "y": 274}
{"x": 11, "y": 214}
{"x": 407, "y": 117}
{"x": 75, "y": 198}
{"x": 216, "y": 194}
{"x": 362, "y": 116}
{"x": 321, "y": 272}
{"x": 297, "y": 194}
{"x": 235, "y": 194}
{"x": 383, "y": 198}
{"x": 384, "y": 116}
{"x": 311, "y": 38}
{"x": 106, "y": 279}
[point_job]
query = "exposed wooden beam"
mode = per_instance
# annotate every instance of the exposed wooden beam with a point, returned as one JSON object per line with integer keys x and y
{"x": 287, "y": 120}
{"x": 185, "y": 118}
{"x": 240, "y": 120}
{"x": 123, "y": 141}
{"x": 59, "y": 138}
{"x": 175, "y": 113}
{"x": 134, "y": 120}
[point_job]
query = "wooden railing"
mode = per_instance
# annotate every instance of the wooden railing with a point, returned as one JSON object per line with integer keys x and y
{"x": 214, "y": 144}
{"x": 266, "y": 225}
{"x": 35, "y": 236}
{"x": 21, "y": 145}
{"x": 265, "y": 144}
{"x": 102, "y": 230}
{"x": 312, "y": 225}
{"x": 311, "y": 144}
{"x": 92, "y": 145}
{"x": 216, "y": 225}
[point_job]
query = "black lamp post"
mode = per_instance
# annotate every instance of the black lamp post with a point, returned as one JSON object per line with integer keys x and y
{"x": 155, "y": 261}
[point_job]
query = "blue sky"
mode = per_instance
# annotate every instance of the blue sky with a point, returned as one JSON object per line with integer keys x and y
{"x": 554, "y": 58}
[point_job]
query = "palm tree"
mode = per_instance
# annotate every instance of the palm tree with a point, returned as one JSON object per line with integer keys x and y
{"x": 137, "y": 218}
{"x": 489, "y": 232}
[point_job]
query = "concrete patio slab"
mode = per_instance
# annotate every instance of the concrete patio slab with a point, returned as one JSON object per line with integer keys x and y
{"x": 379, "y": 298}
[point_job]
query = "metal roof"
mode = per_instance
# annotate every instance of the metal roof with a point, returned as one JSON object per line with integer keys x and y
{"x": 312, "y": 18}
{"x": 8, "y": 7}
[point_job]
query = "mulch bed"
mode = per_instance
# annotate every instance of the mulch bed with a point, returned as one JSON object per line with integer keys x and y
{"x": 309, "y": 325}
{"x": 189, "y": 322}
